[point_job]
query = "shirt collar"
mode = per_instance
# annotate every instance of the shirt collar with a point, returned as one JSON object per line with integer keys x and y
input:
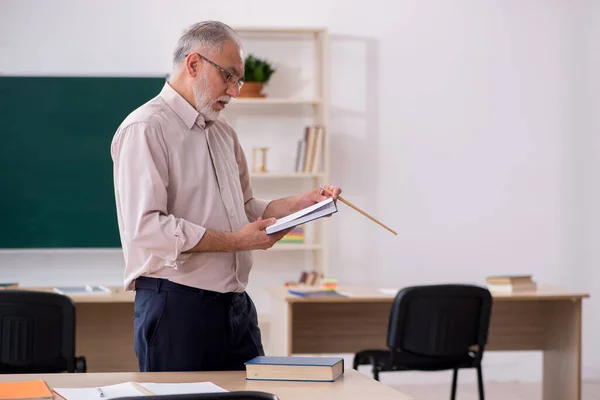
{"x": 188, "y": 114}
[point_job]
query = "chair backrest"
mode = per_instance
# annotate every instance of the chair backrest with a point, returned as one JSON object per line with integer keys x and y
{"x": 235, "y": 395}
{"x": 440, "y": 320}
{"x": 37, "y": 332}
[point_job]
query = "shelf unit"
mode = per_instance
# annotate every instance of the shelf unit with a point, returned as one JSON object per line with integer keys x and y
{"x": 273, "y": 102}
{"x": 287, "y": 175}
{"x": 318, "y": 106}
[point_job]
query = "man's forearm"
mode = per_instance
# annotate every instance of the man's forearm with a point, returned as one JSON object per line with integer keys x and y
{"x": 214, "y": 241}
{"x": 282, "y": 207}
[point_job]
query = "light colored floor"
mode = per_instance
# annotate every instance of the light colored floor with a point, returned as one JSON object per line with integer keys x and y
{"x": 493, "y": 391}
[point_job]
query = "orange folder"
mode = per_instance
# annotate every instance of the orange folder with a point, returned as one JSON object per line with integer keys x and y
{"x": 27, "y": 390}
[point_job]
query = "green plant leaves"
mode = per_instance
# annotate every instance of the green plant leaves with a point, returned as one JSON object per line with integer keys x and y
{"x": 257, "y": 70}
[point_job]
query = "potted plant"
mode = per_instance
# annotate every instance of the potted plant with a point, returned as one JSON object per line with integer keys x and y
{"x": 257, "y": 73}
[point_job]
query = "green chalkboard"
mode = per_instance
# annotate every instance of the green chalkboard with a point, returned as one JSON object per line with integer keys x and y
{"x": 55, "y": 164}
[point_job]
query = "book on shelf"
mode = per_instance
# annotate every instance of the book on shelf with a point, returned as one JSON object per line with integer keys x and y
{"x": 511, "y": 283}
{"x": 311, "y": 213}
{"x": 295, "y": 368}
{"x": 295, "y": 236}
{"x": 309, "y": 150}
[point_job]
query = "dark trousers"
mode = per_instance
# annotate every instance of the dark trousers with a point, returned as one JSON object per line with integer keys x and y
{"x": 180, "y": 328}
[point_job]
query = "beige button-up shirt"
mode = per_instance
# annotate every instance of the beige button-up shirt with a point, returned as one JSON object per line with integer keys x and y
{"x": 175, "y": 176}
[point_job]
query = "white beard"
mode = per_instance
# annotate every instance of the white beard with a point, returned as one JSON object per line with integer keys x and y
{"x": 204, "y": 104}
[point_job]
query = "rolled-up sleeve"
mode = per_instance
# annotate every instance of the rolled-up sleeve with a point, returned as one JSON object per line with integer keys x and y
{"x": 141, "y": 178}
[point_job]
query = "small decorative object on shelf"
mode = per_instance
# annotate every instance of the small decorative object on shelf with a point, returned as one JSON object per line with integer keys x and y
{"x": 257, "y": 73}
{"x": 307, "y": 279}
{"x": 259, "y": 162}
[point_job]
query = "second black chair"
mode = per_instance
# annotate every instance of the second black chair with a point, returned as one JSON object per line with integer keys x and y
{"x": 434, "y": 328}
{"x": 37, "y": 333}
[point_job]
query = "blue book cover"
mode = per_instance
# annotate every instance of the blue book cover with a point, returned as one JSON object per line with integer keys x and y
{"x": 316, "y": 293}
{"x": 310, "y": 361}
{"x": 335, "y": 363}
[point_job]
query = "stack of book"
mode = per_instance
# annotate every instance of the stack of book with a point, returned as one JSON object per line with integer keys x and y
{"x": 511, "y": 283}
{"x": 295, "y": 236}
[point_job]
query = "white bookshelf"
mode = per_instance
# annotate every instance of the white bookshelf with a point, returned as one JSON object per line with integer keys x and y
{"x": 296, "y": 247}
{"x": 287, "y": 175}
{"x": 273, "y": 102}
{"x": 305, "y": 103}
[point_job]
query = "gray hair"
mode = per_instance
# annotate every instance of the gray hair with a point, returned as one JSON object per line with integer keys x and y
{"x": 206, "y": 34}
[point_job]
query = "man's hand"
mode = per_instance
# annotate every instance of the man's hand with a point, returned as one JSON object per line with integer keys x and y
{"x": 316, "y": 195}
{"x": 254, "y": 237}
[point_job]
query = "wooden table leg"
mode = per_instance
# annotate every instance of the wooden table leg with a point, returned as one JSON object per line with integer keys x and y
{"x": 562, "y": 352}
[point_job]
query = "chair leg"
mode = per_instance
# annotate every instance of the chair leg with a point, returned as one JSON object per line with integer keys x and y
{"x": 375, "y": 373}
{"x": 480, "y": 382}
{"x": 355, "y": 363}
{"x": 454, "y": 379}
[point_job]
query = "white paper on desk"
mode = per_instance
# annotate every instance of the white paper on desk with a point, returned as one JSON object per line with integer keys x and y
{"x": 182, "y": 388}
{"x": 389, "y": 291}
{"x": 110, "y": 392}
{"x": 127, "y": 389}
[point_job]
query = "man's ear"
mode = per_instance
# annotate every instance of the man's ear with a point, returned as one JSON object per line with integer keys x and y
{"x": 193, "y": 65}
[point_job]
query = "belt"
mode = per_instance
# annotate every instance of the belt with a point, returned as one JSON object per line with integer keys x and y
{"x": 160, "y": 284}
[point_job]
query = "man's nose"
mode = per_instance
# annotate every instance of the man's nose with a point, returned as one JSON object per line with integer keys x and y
{"x": 232, "y": 90}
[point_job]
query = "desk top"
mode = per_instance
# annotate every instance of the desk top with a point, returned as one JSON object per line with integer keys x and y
{"x": 364, "y": 294}
{"x": 351, "y": 386}
{"x": 117, "y": 295}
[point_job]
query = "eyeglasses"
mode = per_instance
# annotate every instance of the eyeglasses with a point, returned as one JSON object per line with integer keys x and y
{"x": 229, "y": 77}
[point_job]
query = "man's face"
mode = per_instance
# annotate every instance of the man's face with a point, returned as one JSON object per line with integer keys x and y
{"x": 211, "y": 89}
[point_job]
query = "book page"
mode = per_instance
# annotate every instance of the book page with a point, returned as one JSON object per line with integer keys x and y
{"x": 182, "y": 388}
{"x": 302, "y": 212}
{"x": 110, "y": 392}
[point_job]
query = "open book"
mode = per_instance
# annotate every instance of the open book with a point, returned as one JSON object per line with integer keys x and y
{"x": 316, "y": 211}
{"x": 129, "y": 389}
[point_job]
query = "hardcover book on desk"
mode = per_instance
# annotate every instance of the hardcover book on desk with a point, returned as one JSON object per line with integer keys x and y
{"x": 318, "y": 369}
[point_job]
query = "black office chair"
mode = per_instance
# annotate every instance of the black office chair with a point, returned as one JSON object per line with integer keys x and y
{"x": 235, "y": 395}
{"x": 37, "y": 333}
{"x": 434, "y": 328}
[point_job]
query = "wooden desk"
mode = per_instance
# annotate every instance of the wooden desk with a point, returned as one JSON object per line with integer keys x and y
{"x": 548, "y": 320}
{"x": 351, "y": 386}
{"x": 104, "y": 329}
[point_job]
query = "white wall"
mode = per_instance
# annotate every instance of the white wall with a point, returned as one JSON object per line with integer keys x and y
{"x": 452, "y": 121}
{"x": 581, "y": 266}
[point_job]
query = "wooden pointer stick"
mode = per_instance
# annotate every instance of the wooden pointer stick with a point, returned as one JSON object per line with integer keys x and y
{"x": 340, "y": 198}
